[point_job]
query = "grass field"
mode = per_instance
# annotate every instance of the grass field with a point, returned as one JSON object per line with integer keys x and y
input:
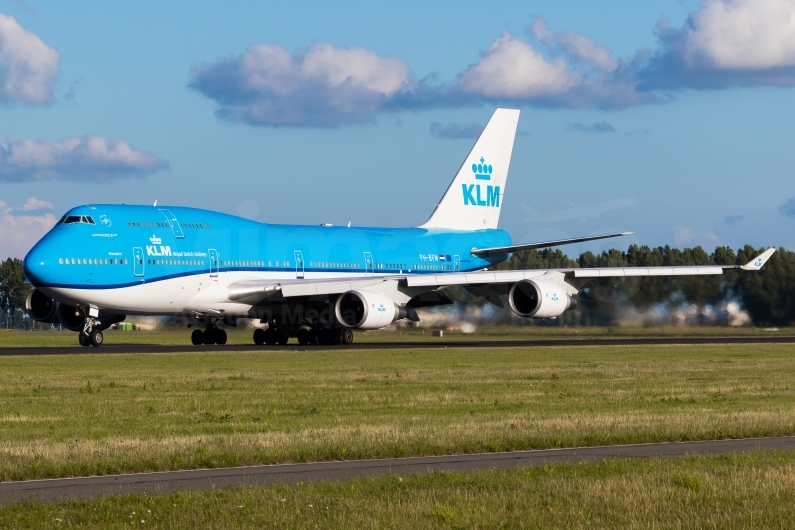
{"x": 755, "y": 490}
{"x": 169, "y": 335}
{"x": 99, "y": 414}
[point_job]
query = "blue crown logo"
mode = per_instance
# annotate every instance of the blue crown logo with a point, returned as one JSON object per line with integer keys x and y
{"x": 482, "y": 171}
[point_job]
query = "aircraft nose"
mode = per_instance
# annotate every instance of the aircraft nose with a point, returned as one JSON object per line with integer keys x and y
{"x": 37, "y": 265}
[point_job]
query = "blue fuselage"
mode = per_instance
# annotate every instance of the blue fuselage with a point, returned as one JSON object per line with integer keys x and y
{"x": 117, "y": 246}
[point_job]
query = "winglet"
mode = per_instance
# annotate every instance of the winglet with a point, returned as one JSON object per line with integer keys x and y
{"x": 757, "y": 263}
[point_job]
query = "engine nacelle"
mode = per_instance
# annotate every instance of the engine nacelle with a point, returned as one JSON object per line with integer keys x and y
{"x": 74, "y": 319}
{"x": 366, "y": 310}
{"x": 71, "y": 318}
{"x": 539, "y": 299}
{"x": 41, "y": 308}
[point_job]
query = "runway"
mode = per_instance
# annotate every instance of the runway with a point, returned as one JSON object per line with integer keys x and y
{"x": 54, "y": 490}
{"x": 149, "y": 348}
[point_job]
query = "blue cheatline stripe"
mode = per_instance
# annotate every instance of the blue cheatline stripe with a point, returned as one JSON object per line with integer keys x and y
{"x": 142, "y": 280}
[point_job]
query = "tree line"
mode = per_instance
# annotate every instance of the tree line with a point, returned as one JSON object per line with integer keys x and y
{"x": 768, "y": 296}
{"x": 13, "y": 290}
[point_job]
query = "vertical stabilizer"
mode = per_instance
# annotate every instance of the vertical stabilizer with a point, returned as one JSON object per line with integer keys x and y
{"x": 474, "y": 199}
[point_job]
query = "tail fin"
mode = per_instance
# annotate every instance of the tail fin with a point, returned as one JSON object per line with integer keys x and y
{"x": 474, "y": 198}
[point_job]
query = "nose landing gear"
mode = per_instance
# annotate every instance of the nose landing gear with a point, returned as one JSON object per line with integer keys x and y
{"x": 91, "y": 334}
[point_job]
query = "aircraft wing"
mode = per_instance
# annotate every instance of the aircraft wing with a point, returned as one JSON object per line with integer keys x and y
{"x": 494, "y": 251}
{"x": 255, "y": 290}
{"x": 488, "y": 277}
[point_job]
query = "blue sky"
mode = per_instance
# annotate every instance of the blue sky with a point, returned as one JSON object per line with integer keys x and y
{"x": 674, "y": 117}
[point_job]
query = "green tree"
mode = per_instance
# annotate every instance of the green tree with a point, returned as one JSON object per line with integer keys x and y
{"x": 537, "y": 259}
{"x": 13, "y": 290}
{"x": 769, "y": 294}
{"x": 651, "y": 290}
{"x": 700, "y": 290}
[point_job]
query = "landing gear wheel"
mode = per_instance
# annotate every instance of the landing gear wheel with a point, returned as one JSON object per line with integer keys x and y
{"x": 259, "y": 336}
{"x": 313, "y": 341}
{"x": 83, "y": 340}
{"x": 197, "y": 337}
{"x": 346, "y": 336}
{"x": 220, "y": 336}
{"x": 270, "y": 336}
{"x": 335, "y": 336}
{"x": 323, "y": 337}
{"x": 281, "y": 338}
{"x": 96, "y": 338}
{"x": 208, "y": 337}
{"x": 303, "y": 337}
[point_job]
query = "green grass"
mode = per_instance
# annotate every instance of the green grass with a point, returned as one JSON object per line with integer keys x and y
{"x": 755, "y": 490}
{"x": 66, "y": 415}
{"x": 168, "y": 335}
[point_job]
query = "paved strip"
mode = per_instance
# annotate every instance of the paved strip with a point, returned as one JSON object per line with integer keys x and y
{"x": 149, "y": 348}
{"x": 53, "y": 490}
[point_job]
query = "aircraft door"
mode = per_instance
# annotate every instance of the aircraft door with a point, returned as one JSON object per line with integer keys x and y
{"x": 457, "y": 263}
{"x": 175, "y": 226}
{"x": 299, "y": 264}
{"x": 368, "y": 264}
{"x": 138, "y": 261}
{"x": 213, "y": 255}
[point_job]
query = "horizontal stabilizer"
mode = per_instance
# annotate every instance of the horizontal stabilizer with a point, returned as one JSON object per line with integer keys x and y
{"x": 494, "y": 251}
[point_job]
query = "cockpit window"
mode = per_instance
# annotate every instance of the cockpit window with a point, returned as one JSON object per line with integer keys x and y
{"x": 72, "y": 219}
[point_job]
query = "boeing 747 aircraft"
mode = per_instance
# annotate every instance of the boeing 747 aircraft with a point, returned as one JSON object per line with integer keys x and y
{"x": 103, "y": 262}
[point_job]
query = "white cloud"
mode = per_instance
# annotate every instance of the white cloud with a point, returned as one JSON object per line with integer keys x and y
{"x": 684, "y": 235}
{"x": 19, "y": 232}
{"x": 35, "y": 204}
{"x": 76, "y": 158}
{"x": 323, "y": 85}
{"x": 511, "y": 69}
{"x": 725, "y": 43}
{"x": 28, "y": 67}
{"x": 576, "y": 45}
{"x": 741, "y": 34}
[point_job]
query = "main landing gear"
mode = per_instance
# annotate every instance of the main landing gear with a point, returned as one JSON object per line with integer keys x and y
{"x": 306, "y": 337}
{"x": 91, "y": 334}
{"x": 270, "y": 337}
{"x": 211, "y": 335}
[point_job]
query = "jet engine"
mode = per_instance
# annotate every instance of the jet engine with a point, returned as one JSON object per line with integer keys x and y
{"x": 367, "y": 310}
{"x": 539, "y": 299}
{"x": 41, "y": 308}
{"x": 71, "y": 318}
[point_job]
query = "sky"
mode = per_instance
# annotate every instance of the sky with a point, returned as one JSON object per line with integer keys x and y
{"x": 669, "y": 118}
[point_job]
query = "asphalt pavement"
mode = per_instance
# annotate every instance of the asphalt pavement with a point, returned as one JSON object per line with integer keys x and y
{"x": 53, "y": 490}
{"x": 439, "y": 343}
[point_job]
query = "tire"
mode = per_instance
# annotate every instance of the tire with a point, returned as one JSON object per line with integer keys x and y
{"x": 83, "y": 339}
{"x": 270, "y": 337}
{"x": 208, "y": 337}
{"x": 324, "y": 337}
{"x": 282, "y": 338}
{"x": 313, "y": 341}
{"x": 96, "y": 337}
{"x": 335, "y": 336}
{"x": 197, "y": 337}
{"x": 220, "y": 336}
{"x": 303, "y": 337}
{"x": 346, "y": 336}
{"x": 259, "y": 336}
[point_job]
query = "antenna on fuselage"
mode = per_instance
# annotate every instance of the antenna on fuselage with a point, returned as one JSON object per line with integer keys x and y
{"x": 349, "y": 224}
{"x": 155, "y": 205}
